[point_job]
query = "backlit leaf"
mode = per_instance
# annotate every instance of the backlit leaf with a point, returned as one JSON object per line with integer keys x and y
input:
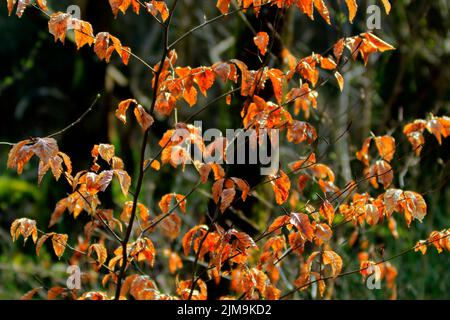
{"x": 261, "y": 41}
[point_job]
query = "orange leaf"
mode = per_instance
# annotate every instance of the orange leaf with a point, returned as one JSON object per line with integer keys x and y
{"x": 306, "y": 6}
{"x": 166, "y": 200}
{"x": 246, "y": 77}
{"x": 327, "y": 211}
{"x": 101, "y": 252}
{"x": 301, "y": 222}
{"x": 189, "y": 237}
{"x": 243, "y": 186}
{"x": 276, "y": 77}
{"x": 321, "y": 171}
{"x": 281, "y": 186}
{"x": 323, "y": 10}
{"x": 204, "y": 77}
{"x": 55, "y": 292}
{"x": 59, "y": 242}
{"x": 261, "y": 40}
{"x": 60, "y": 207}
{"x": 352, "y": 8}
{"x": 328, "y": 64}
{"x": 175, "y": 262}
{"x": 414, "y": 205}
{"x": 57, "y": 25}
{"x": 84, "y": 33}
{"x": 223, "y": 5}
{"x": 300, "y": 131}
{"x": 122, "y": 109}
{"x": 340, "y": 80}
{"x": 363, "y": 154}
{"x": 386, "y": 147}
{"x": 278, "y": 223}
{"x": 106, "y": 151}
{"x": 154, "y": 7}
{"x": 377, "y": 42}
{"x": 333, "y": 259}
{"x": 387, "y": 6}
{"x": 323, "y": 233}
{"x": 123, "y": 6}
{"x": 41, "y": 241}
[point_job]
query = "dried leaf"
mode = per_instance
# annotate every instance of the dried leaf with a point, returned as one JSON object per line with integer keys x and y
{"x": 301, "y": 222}
{"x": 57, "y": 25}
{"x": 327, "y": 211}
{"x": 59, "y": 242}
{"x": 281, "y": 186}
{"x": 101, "y": 252}
{"x": 261, "y": 40}
{"x": 144, "y": 119}
{"x": 352, "y": 9}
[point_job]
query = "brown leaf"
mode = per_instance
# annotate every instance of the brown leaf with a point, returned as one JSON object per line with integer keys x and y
{"x": 144, "y": 119}
{"x": 57, "y": 25}
{"x": 226, "y": 198}
{"x": 55, "y": 292}
{"x": 30, "y": 294}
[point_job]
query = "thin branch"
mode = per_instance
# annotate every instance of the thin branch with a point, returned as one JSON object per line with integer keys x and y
{"x": 142, "y": 156}
{"x": 78, "y": 120}
{"x": 207, "y": 22}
